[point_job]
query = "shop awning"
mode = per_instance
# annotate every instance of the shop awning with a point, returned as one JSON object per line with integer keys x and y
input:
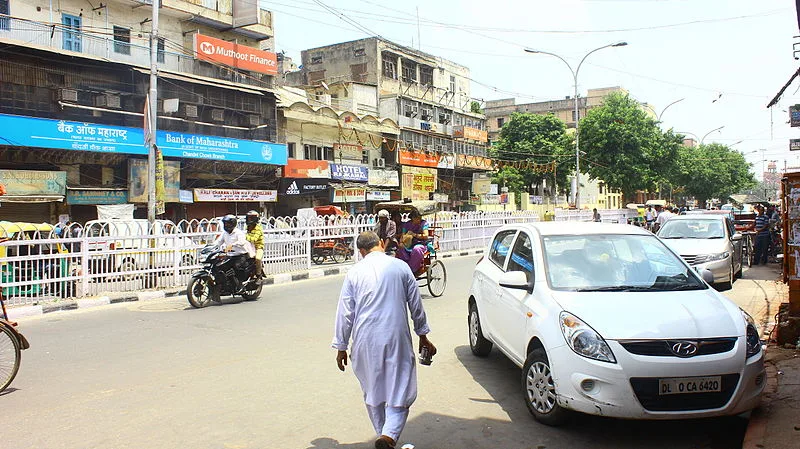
{"x": 206, "y": 81}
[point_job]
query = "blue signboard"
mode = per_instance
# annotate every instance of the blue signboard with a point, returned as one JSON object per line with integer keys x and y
{"x": 349, "y": 172}
{"x": 46, "y": 133}
{"x": 94, "y": 197}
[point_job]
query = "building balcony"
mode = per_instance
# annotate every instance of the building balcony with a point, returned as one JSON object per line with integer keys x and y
{"x": 103, "y": 47}
{"x": 416, "y": 123}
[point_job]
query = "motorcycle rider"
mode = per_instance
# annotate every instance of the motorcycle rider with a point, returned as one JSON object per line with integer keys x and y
{"x": 234, "y": 242}
{"x": 255, "y": 235}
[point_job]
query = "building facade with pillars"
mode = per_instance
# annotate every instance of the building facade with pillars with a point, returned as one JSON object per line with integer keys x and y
{"x": 334, "y": 150}
{"x": 73, "y": 83}
{"x": 428, "y": 96}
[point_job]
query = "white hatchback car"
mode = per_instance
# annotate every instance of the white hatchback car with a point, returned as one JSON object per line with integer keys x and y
{"x": 604, "y": 319}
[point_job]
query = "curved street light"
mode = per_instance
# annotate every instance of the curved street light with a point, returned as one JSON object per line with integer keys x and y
{"x": 575, "y": 91}
{"x": 715, "y": 129}
{"x": 667, "y": 107}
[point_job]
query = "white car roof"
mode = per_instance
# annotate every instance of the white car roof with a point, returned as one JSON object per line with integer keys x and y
{"x": 577, "y": 228}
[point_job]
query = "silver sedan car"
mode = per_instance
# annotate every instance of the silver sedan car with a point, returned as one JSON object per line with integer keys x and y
{"x": 706, "y": 241}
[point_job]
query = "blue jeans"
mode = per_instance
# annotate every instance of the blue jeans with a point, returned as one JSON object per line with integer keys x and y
{"x": 761, "y": 249}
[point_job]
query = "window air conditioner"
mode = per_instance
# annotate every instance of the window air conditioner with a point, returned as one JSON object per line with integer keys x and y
{"x": 189, "y": 110}
{"x": 68, "y": 95}
{"x": 218, "y": 115}
{"x": 107, "y": 101}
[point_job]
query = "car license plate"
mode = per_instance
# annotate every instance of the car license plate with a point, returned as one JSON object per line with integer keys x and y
{"x": 688, "y": 385}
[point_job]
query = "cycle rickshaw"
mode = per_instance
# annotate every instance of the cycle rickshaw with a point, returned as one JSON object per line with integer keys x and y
{"x": 337, "y": 249}
{"x": 435, "y": 275}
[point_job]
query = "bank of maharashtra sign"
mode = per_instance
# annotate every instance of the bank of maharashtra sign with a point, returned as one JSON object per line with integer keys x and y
{"x": 234, "y": 55}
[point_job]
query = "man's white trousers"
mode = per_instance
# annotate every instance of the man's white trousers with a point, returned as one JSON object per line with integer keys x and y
{"x": 388, "y": 421}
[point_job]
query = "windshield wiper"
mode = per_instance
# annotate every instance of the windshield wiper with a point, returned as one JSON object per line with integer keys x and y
{"x": 615, "y": 288}
{"x": 682, "y": 287}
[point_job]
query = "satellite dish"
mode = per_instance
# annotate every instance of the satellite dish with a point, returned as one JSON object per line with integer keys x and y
{"x": 324, "y": 86}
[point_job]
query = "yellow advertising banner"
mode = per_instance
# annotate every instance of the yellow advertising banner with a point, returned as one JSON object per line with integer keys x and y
{"x": 418, "y": 182}
{"x": 137, "y": 181}
{"x": 161, "y": 194}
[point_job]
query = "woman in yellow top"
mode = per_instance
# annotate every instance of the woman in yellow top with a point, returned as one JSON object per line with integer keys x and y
{"x": 255, "y": 235}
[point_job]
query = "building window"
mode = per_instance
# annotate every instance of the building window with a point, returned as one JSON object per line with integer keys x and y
{"x": 409, "y": 72}
{"x": 426, "y": 75}
{"x": 358, "y": 52}
{"x": 390, "y": 69}
{"x": 573, "y": 114}
{"x": 316, "y": 59}
{"x": 312, "y": 153}
{"x": 290, "y": 150}
{"x": 122, "y": 40}
{"x": 501, "y": 121}
{"x": 72, "y": 32}
{"x": 452, "y": 83}
{"x": 4, "y": 9}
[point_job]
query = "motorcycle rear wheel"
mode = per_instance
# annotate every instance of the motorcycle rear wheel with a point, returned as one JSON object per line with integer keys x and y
{"x": 200, "y": 293}
{"x": 253, "y": 293}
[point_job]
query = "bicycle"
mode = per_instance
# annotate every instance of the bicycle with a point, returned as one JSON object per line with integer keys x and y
{"x": 748, "y": 251}
{"x": 12, "y": 343}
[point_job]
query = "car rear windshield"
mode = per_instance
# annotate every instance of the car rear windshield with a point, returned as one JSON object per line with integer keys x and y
{"x": 615, "y": 262}
{"x": 692, "y": 229}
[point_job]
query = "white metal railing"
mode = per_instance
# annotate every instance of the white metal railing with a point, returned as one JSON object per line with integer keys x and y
{"x": 46, "y": 263}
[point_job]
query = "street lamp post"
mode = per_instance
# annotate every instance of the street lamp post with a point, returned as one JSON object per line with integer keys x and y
{"x": 575, "y": 95}
{"x": 715, "y": 129}
{"x": 667, "y": 107}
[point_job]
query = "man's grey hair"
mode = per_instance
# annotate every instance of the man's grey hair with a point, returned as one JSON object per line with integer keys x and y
{"x": 367, "y": 240}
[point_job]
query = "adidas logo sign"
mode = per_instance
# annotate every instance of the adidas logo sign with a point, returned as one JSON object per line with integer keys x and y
{"x": 293, "y": 190}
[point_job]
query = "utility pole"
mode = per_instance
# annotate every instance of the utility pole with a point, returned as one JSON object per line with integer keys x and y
{"x": 151, "y": 151}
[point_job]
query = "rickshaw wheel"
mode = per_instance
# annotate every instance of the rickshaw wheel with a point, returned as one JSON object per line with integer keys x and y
{"x": 437, "y": 278}
{"x": 318, "y": 259}
{"x": 339, "y": 252}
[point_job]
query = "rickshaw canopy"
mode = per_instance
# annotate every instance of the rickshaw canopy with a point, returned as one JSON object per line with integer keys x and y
{"x": 422, "y": 206}
{"x": 661, "y": 203}
{"x": 329, "y": 210}
{"x": 9, "y": 229}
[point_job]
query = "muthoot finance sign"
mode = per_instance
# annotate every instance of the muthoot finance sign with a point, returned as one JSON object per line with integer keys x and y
{"x": 232, "y": 54}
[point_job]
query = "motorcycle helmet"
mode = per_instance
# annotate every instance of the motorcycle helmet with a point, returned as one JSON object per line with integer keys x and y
{"x": 229, "y": 223}
{"x": 251, "y": 218}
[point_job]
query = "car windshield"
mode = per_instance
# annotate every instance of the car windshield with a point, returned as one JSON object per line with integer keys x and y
{"x": 692, "y": 229}
{"x": 615, "y": 262}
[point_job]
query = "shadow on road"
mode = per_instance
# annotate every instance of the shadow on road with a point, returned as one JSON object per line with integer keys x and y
{"x": 769, "y": 272}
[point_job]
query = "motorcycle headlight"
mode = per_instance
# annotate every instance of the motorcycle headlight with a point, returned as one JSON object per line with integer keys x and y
{"x": 584, "y": 340}
{"x": 751, "y": 336}
{"x": 703, "y": 258}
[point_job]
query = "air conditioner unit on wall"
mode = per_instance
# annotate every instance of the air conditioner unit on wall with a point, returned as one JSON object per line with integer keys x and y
{"x": 379, "y": 162}
{"x": 253, "y": 120}
{"x": 218, "y": 115}
{"x": 189, "y": 110}
{"x": 67, "y": 95}
{"x": 107, "y": 101}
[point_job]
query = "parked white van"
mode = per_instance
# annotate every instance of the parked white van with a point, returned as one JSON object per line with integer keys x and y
{"x": 124, "y": 245}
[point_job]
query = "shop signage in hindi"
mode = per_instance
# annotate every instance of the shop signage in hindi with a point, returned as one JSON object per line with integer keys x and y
{"x": 235, "y": 196}
{"x": 138, "y": 174}
{"x": 310, "y": 169}
{"x": 465, "y": 132}
{"x": 32, "y": 182}
{"x": 349, "y": 172}
{"x": 383, "y": 178}
{"x": 794, "y": 115}
{"x": 300, "y": 186}
{"x": 351, "y": 195}
{"x": 63, "y": 135}
{"x": 418, "y": 158}
{"x": 418, "y": 183}
{"x": 348, "y": 151}
{"x": 231, "y": 54}
{"x": 794, "y": 144}
{"x": 377, "y": 195}
{"x": 96, "y": 197}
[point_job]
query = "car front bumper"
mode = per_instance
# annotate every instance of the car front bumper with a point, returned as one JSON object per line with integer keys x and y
{"x": 719, "y": 268}
{"x": 629, "y": 388}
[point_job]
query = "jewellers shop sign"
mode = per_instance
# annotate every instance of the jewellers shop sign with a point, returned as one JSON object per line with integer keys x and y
{"x": 235, "y": 195}
{"x": 349, "y": 172}
{"x": 234, "y": 55}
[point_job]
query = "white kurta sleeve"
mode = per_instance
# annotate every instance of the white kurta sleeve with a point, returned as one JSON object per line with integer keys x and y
{"x": 415, "y": 304}
{"x": 344, "y": 317}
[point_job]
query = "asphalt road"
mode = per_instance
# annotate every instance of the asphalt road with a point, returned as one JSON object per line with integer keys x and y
{"x": 262, "y": 375}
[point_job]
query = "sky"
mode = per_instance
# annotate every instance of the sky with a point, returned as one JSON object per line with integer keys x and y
{"x": 723, "y": 59}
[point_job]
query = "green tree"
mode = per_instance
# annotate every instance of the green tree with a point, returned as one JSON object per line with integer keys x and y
{"x": 625, "y": 148}
{"x": 713, "y": 171}
{"x": 475, "y": 107}
{"x": 536, "y": 139}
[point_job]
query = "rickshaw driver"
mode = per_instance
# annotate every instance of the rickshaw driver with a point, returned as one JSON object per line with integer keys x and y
{"x": 414, "y": 243}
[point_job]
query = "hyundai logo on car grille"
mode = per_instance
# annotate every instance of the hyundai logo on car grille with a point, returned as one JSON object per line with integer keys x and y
{"x": 683, "y": 348}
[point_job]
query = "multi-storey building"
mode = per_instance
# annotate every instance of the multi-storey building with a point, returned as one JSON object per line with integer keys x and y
{"x": 442, "y": 137}
{"x": 73, "y": 83}
{"x": 498, "y": 112}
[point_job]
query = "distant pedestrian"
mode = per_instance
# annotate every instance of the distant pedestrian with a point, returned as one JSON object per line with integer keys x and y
{"x": 762, "y": 236}
{"x": 663, "y": 216}
{"x": 649, "y": 217}
{"x": 595, "y": 215}
{"x": 377, "y": 295}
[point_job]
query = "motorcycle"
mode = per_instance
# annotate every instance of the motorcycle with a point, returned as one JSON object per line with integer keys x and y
{"x": 219, "y": 277}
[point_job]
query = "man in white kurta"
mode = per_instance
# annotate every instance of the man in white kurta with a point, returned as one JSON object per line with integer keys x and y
{"x": 377, "y": 295}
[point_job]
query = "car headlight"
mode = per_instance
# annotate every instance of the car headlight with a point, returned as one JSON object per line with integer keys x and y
{"x": 751, "y": 337}
{"x": 584, "y": 340}
{"x": 703, "y": 258}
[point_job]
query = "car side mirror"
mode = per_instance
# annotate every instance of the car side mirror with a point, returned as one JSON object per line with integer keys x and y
{"x": 736, "y": 237}
{"x": 516, "y": 280}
